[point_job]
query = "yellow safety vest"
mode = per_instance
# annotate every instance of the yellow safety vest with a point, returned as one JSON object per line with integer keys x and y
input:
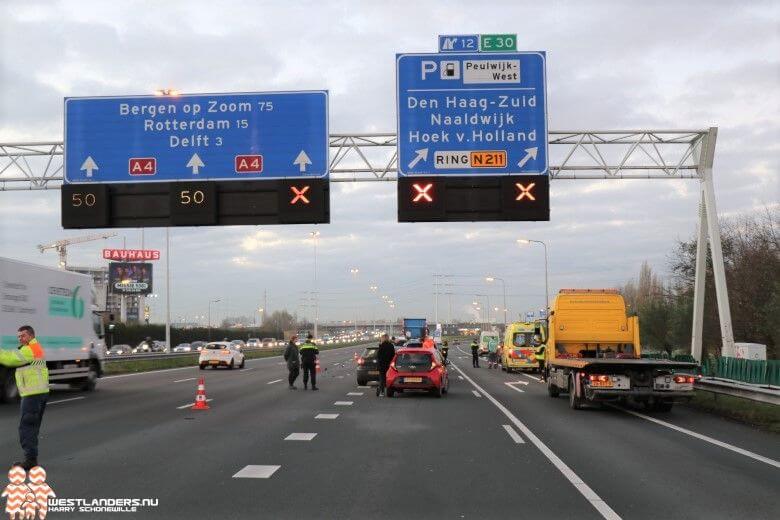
{"x": 32, "y": 375}
{"x": 539, "y": 353}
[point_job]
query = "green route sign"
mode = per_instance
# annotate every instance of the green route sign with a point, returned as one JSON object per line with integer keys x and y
{"x": 497, "y": 42}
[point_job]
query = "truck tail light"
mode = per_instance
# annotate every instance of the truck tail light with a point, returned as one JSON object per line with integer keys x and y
{"x": 600, "y": 380}
{"x": 683, "y": 379}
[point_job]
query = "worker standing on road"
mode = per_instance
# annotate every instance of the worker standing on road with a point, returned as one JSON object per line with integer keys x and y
{"x": 293, "y": 358}
{"x": 539, "y": 355}
{"x": 309, "y": 352}
{"x": 475, "y": 354}
{"x": 32, "y": 380}
{"x": 384, "y": 356}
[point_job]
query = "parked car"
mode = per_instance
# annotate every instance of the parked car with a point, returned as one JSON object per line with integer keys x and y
{"x": 253, "y": 343}
{"x": 418, "y": 369}
{"x": 367, "y": 369}
{"x": 183, "y": 347}
{"x": 119, "y": 350}
{"x": 221, "y": 353}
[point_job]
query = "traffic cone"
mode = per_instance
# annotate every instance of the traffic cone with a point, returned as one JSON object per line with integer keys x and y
{"x": 200, "y": 396}
{"x": 317, "y": 367}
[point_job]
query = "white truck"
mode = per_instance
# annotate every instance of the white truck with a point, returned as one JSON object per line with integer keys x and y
{"x": 59, "y": 305}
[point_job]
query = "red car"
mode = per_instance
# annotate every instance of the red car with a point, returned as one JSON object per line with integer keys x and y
{"x": 418, "y": 369}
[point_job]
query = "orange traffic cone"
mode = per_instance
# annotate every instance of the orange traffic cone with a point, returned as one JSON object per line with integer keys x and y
{"x": 200, "y": 396}
{"x": 317, "y": 367}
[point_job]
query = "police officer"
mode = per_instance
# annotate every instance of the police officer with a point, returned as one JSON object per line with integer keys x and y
{"x": 384, "y": 356}
{"x": 539, "y": 355}
{"x": 32, "y": 380}
{"x": 475, "y": 354}
{"x": 309, "y": 352}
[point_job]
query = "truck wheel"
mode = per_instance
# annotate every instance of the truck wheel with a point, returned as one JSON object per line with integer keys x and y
{"x": 552, "y": 390}
{"x": 9, "y": 391}
{"x": 575, "y": 403}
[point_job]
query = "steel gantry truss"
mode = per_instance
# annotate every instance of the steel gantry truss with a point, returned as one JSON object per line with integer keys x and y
{"x": 591, "y": 154}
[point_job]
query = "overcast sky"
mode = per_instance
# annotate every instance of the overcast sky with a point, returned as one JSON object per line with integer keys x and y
{"x": 611, "y": 65}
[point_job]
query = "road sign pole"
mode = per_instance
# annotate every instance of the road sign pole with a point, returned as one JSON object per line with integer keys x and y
{"x": 168, "y": 290}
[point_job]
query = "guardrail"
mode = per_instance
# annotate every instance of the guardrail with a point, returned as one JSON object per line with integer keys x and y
{"x": 745, "y": 370}
{"x": 763, "y": 394}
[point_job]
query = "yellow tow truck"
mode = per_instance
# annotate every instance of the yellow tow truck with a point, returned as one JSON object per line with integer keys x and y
{"x": 593, "y": 354}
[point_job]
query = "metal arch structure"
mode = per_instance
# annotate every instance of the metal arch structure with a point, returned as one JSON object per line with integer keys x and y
{"x": 590, "y": 154}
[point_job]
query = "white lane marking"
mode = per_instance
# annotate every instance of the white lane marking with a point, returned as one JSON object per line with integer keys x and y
{"x": 363, "y": 386}
{"x": 256, "y": 472}
{"x": 282, "y": 363}
{"x": 354, "y": 393}
{"x": 247, "y": 369}
{"x": 590, "y": 495}
{"x": 716, "y": 442}
{"x": 513, "y": 387}
{"x": 300, "y": 436}
{"x": 188, "y": 405}
{"x": 274, "y": 381}
{"x": 512, "y": 433}
{"x": 532, "y": 378}
{"x": 526, "y": 383}
{"x": 339, "y": 377}
{"x": 188, "y": 379}
{"x": 66, "y": 400}
{"x": 476, "y": 393}
{"x": 460, "y": 377}
{"x": 326, "y": 416}
{"x": 343, "y": 403}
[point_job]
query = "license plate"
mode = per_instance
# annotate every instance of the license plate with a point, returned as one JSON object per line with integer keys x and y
{"x": 373, "y": 372}
{"x": 214, "y": 362}
{"x": 413, "y": 380}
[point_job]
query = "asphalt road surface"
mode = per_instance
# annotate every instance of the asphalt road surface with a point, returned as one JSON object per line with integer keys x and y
{"x": 496, "y": 447}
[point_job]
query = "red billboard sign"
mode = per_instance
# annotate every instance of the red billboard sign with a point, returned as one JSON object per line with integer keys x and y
{"x": 131, "y": 255}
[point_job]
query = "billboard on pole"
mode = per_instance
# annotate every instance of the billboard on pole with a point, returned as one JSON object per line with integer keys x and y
{"x": 130, "y": 277}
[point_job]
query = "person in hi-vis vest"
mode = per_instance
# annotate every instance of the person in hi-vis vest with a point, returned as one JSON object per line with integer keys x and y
{"x": 32, "y": 380}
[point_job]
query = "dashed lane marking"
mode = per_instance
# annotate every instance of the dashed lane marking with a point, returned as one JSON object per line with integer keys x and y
{"x": 343, "y": 403}
{"x": 716, "y": 442}
{"x": 66, "y": 400}
{"x": 300, "y": 436}
{"x": 476, "y": 393}
{"x": 460, "y": 377}
{"x": 513, "y": 434}
{"x": 183, "y": 380}
{"x": 513, "y": 387}
{"x": 188, "y": 405}
{"x": 597, "y": 502}
{"x": 326, "y": 416}
{"x": 274, "y": 381}
{"x": 532, "y": 378}
{"x": 254, "y": 471}
{"x": 354, "y": 393}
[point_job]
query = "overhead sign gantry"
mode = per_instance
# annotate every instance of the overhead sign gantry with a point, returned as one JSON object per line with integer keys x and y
{"x": 202, "y": 159}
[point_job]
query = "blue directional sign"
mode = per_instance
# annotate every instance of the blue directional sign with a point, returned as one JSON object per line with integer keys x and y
{"x": 245, "y": 136}
{"x": 472, "y": 114}
{"x": 459, "y": 43}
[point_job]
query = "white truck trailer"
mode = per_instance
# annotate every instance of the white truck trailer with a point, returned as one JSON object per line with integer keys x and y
{"x": 59, "y": 305}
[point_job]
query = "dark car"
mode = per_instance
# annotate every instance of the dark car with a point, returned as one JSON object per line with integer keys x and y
{"x": 367, "y": 369}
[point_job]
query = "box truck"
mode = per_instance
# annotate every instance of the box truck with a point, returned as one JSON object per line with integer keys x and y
{"x": 59, "y": 305}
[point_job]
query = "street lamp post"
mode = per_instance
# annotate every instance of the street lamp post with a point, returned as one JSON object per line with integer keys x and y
{"x": 354, "y": 272}
{"x": 315, "y": 235}
{"x": 503, "y": 285}
{"x": 546, "y": 274}
{"x": 210, "y": 302}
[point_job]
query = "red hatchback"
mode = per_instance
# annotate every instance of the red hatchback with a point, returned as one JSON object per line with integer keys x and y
{"x": 418, "y": 369}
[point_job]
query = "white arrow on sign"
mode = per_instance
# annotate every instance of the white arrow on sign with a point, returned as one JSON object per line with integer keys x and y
{"x": 302, "y": 160}
{"x": 89, "y": 165}
{"x": 422, "y": 155}
{"x": 530, "y": 153}
{"x": 195, "y": 163}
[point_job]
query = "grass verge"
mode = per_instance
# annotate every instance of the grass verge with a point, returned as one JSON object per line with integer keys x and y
{"x": 129, "y": 366}
{"x": 764, "y": 416}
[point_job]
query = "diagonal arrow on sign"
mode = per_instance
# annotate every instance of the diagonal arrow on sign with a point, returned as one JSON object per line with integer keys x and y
{"x": 89, "y": 165}
{"x": 195, "y": 163}
{"x": 302, "y": 160}
{"x": 422, "y": 155}
{"x": 530, "y": 153}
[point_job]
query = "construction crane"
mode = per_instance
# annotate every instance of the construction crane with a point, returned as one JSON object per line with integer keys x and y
{"x": 62, "y": 245}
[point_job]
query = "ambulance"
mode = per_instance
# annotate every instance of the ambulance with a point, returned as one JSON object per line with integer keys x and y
{"x": 520, "y": 345}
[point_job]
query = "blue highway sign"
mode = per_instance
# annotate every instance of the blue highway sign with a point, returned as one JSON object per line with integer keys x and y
{"x": 472, "y": 114}
{"x": 459, "y": 43}
{"x": 242, "y": 136}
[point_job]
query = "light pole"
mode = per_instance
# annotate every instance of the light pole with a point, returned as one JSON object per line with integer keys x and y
{"x": 354, "y": 272}
{"x": 261, "y": 313}
{"x": 546, "y": 275}
{"x": 490, "y": 279}
{"x": 316, "y": 235}
{"x": 210, "y": 302}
